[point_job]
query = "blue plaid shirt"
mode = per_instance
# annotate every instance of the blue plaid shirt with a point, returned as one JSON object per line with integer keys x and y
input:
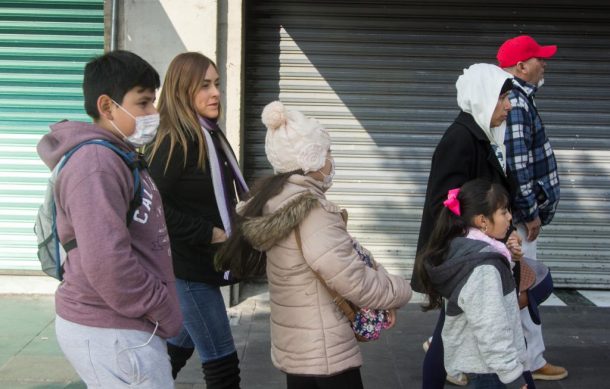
{"x": 530, "y": 158}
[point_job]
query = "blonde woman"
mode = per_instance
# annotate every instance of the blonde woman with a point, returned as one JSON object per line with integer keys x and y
{"x": 196, "y": 173}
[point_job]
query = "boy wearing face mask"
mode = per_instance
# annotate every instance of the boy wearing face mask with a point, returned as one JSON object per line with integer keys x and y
{"x": 117, "y": 303}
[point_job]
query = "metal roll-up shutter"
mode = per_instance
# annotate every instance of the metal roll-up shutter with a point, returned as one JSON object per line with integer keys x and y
{"x": 380, "y": 76}
{"x": 44, "y": 45}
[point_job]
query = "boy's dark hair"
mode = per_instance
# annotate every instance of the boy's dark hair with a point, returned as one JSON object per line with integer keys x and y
{"x": 476, "y": 197}
{"x": 114, "y": 74}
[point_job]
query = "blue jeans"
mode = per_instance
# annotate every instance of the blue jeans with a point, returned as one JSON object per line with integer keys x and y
{"x": 206, "y": 324}
{"x": 491, "y": 381}
{"x": 484, "y": 381}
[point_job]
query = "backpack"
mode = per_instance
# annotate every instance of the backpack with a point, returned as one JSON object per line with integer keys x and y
{"x": 51, "y": 252}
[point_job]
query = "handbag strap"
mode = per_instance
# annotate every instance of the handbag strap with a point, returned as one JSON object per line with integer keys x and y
{"x": 340, "y": 301}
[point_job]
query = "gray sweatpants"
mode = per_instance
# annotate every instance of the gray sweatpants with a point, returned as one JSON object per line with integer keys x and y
{"x": 115, "y": 358}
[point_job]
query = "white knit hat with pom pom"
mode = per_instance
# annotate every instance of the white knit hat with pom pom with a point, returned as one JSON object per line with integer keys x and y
{"x": 294, "y": 141}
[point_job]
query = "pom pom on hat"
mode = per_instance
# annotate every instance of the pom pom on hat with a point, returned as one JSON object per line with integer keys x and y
{"x": 294, "y": 141}
{"x": 273, "y": 115}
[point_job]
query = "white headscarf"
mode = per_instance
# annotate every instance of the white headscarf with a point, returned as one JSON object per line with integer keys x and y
{"x": 478, "y": 89}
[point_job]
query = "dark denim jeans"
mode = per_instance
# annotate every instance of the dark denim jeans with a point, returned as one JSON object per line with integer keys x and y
{"x": 484, "y": 381}
{"x": 433, "y": 370}
{"x": 206, "y": 324}
{"x": 491, "y": 381}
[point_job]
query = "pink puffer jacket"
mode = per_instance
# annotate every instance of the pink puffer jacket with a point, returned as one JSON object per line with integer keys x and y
{"x": 309, "y": 334}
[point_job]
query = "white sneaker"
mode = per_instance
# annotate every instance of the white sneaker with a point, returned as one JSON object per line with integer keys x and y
{"x": 426, "y": 344}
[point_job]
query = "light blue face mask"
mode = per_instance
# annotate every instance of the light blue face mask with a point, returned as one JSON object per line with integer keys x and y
{"x": 145, "y": 131}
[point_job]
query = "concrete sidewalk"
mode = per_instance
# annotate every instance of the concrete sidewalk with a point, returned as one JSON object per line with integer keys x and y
{"x": 576, "y": 336}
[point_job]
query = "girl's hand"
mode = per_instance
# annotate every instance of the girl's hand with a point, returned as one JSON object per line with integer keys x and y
{"x": 514, "y": 246}
{"x": 218, "y": 235}
{"x": 391, "y": 318}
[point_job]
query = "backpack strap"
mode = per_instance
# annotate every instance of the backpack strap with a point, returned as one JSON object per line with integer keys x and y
{"x": 135, "y": 162}
{"x": 132, "y": 159}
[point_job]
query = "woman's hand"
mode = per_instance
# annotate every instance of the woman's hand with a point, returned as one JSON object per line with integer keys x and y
{"x": 514, "y": 246}
{"x": 218, "y": 235}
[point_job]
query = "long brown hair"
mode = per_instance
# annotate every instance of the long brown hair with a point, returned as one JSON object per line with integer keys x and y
{"x": 476, "y": 197}
{"x": 234, "y": 253}
{"x": 178, "y": 116}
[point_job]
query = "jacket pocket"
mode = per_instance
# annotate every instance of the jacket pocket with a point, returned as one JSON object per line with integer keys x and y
{"x": 543, "y": 194}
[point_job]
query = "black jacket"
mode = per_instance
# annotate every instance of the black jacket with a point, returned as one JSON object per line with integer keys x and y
{"x": 190, "y": 210}
{"x": 463, "y": 154}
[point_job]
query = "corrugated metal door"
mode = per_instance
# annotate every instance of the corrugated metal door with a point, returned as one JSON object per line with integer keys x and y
{"x": 380, "y": 75}
{"x": 43, "y": 48}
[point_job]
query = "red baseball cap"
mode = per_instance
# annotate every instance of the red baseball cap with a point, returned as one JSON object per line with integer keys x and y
{"x": 522, "y": 48}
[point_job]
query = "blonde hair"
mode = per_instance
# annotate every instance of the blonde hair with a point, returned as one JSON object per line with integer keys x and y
{"x": 178, "y": 116}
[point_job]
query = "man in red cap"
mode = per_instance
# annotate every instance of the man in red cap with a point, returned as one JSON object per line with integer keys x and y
{"x": 531, "y": 159}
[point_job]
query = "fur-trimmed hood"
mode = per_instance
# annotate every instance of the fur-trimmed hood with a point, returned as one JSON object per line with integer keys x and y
{"x": 284, "y": 212}
{"x": 264, "y": 231}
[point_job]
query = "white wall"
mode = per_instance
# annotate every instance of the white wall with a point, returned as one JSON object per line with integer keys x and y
{"x": 158, "y": 30}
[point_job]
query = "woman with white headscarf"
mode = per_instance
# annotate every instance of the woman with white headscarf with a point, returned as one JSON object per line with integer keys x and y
{"x": 472, "y": 147}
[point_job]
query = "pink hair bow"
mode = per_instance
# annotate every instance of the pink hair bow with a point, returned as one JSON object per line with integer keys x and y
{"x": 452, "y": 201}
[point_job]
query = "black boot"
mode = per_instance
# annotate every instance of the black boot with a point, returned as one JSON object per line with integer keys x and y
{"x": 178, "y": 357}
{"x": 222, "y": 373}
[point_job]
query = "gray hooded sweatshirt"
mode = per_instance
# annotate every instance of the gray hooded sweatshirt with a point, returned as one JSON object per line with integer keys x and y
{"x": 482, "y": 332}
{"x": 118, "y": 276}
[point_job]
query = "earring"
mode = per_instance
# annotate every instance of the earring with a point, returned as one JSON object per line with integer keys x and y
{"x": 484, "y": 228}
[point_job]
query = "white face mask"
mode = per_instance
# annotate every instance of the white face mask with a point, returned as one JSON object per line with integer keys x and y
{"x": 145, "y": 131}
{"x": 328, "y": 178}
{"x": 540, "y": 83}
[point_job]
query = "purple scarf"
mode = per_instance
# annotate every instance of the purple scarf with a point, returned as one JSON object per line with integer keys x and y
{"x": 215, "y": 146}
